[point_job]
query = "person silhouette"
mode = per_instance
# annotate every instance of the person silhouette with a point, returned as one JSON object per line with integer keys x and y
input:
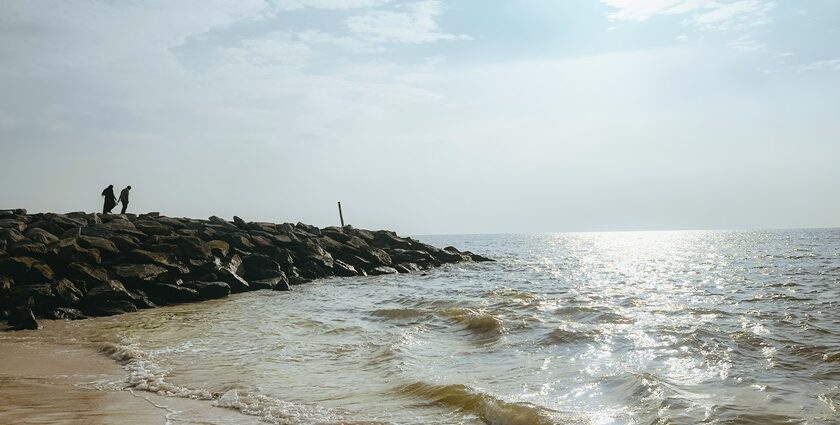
{"x": 124, "y": 198}
{"x": 110, "y": 200}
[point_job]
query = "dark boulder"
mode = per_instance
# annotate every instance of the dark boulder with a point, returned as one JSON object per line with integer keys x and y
{"x": 407, "y": 267}
{"x": 381, "y": 270}
{"x": 311, "y": 252}
{"x": 152, "y": 227}
{"x": 340, "y": 268}
{"x": 40, "y": 235}
{"x": 134, "y": 274}
{"x": 219, "y": 248}
{"x": 234, "y": 281}
{"x": 295, "y": 277}
{"x": 308, "y": 228}
{"x": 125, "y": 243}
{"x": 109, "y": 299}
{"x": 167, "y": 261}
{"x": 389, "y": 240}
{"x": 168, "y": 293}
{"x": 67, "y": 292}
{"x": 16, "y": 268}
{"x": 105, "y": 247}
{"x": 28, "y": 247}
{"x": 478, "y": 258}
{"x": 11, "y": 213}
{"x": 86, "y": 275}
{"x": 11, "y": 236}
{"x": 240, "y": 223}
{"x": 170, "y": 222}
{"x": 259, "y": 266}
{"x": 445, "y": 256}
{"x": 40, "y": 273}
{"x": 336, "y": 233}
{"x": 422, "y": 258}
{"x": 23, "y": 318}
{"x": 222, "y": 223}
{"x": 66, "y": 313}
{"x": 209, "y": 290}
{"x": 38, "y": 297}
{"x": 376, "y": 256}
{"x": 47, "y": 226}
{"x": 70, "y": 251}
{"x": 5, "y": 284}
{"x": 239, "y": 241}
{"x": 109, "y": 308}
{"x": 13, "y": 223}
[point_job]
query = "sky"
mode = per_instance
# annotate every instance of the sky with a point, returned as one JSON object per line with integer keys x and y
{"x": 428, "y": 117}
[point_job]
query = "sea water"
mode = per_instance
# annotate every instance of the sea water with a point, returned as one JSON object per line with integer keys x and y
{"x": 591, "y": 328}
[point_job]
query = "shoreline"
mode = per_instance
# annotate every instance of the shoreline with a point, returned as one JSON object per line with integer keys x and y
{"x": 46, "y": 381}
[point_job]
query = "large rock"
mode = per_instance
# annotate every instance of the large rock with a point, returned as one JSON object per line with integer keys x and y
{"x": 17, "y": 268}
{"x": 152, "y": 227}
{"x": 381, "y": 270}
{"x": 413, "y": 256}
{"x": 125, "y": 243}
{"x": 106, "y": 247}
{"x": 38, "y": 297}
{"x": 67, "y": 292}
{"x": 133, "y": 274}
{"x": 167, "y": 261}
{"x": 12, "y": 223}
{"x": 389, "y": 240}
{"x": 191, "y": 247}
{"x": 40, "y": 235}
{"x": 219, "y": 248}
{"x": 28, "y": 247}
{"x": 308, "y": 228}
{"x": 11, "y": 236}
{"x": 340, "y": 268}
{"x": 12, "y": 213}
{"x": 87, "y": 275}
{"x": 66, "y": 313}
{"x": 259, "y": 266}
{"x": 23, "y": 318}
{"x": 169, "y": 293}
{"x": 109, "y": 299}
{"x": 70, "y": 251}
{"x": 209, "y": 290}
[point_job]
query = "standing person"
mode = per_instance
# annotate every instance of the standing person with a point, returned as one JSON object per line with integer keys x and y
{"x": 110, "y": 200}
{"x": 124, "y": 198}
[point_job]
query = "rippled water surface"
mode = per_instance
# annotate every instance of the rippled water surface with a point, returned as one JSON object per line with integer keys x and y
{"x": 601, "y": 328}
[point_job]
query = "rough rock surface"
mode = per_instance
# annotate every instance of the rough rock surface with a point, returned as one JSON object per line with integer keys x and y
{"x": 75, "y": 265}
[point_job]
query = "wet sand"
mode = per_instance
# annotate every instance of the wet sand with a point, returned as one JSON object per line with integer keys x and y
{"x": 42, "y": 382}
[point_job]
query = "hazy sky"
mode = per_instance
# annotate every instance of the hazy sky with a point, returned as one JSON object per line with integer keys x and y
{"x": 428, "y": 116}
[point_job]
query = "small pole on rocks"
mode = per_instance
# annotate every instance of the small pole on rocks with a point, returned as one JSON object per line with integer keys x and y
{"x": 340, "y": 215}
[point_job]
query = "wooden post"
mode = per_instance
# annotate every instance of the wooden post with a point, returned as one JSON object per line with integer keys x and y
{"x": 340, "y": 214}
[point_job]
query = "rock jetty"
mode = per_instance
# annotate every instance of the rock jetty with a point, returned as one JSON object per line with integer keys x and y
{"x": 75, "y": 265}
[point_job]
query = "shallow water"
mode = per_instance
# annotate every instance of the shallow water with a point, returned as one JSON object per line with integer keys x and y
{"x": 601, "y": 328}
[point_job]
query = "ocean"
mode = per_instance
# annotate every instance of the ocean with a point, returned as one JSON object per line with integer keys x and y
{"x": 687, "y": 327}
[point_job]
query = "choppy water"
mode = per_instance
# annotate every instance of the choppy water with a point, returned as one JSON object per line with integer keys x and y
{"x": 601, "y": 328}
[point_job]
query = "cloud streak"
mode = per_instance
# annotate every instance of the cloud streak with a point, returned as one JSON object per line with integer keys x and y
{"x": 703, "y": 14}
{"x": 411, "y": 23}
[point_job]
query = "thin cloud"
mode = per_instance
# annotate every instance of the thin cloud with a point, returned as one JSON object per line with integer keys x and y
{"x": 703, "y": 14}
{"x": 413, "y": 23}
{"x": 747, "y": 44}
{"x": 824, "y": 65}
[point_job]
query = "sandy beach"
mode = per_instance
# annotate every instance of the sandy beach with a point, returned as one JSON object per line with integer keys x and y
{"x": 44, "y": 382}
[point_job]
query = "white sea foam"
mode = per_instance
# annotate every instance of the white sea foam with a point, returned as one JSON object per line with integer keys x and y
{"x": 146, "y": 374}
